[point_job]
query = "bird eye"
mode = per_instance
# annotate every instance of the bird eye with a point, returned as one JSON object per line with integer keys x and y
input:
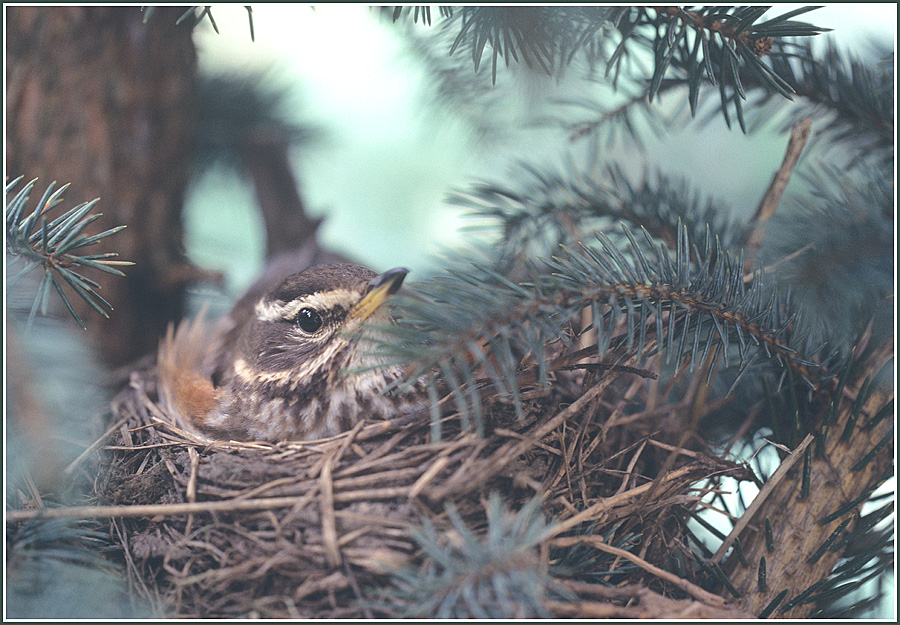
{"x": 309, "y": 320}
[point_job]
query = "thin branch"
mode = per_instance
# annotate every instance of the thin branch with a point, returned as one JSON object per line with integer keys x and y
{"x": 94, "y": 446}
{"x": 610, "y": 502}
{"x": 731, "y": 30}
{"x": 757, "y": 234}
{"x": 329, "y": 531}
{"x": 769, "y": 486}
{"x": 598, "y": 543}
{"x": 191, "y": 492}
{"x": 151, "y": 510}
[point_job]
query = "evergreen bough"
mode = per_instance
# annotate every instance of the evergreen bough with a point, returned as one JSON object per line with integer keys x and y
{"x": 592, "y": 273}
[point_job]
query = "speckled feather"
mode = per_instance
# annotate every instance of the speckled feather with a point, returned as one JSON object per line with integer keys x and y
{"x": 268, "y": 379}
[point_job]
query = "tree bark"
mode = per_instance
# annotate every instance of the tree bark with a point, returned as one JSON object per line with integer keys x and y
{"x": 99, "y": 99}
{"x": 796, "y": 555}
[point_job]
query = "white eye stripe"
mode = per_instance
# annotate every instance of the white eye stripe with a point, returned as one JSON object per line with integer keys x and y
{"x": 280, "y": 311}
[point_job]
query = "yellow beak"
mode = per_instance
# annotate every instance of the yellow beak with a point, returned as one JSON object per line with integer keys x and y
{"x": 379, "y": 289}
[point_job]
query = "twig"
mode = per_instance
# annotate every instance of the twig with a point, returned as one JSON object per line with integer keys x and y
{"x": 134, "y": 575}
{"x": 601, "y": 366}
{"x": 771, "y": 267}
{"x": 509, "y": 452}
{"x": 281, "y": 481}
{"x": 630, "y": 468}
{"x": 329, "y": 531}
{"x": 610, "y": 502}
{"x": 93, "y": 446}
{"x": 192, "y": 487}
{"x": 150, "y": 510}
{"x": 683, "y": 584}
{"x": 696, "y": 396}
{"x": 356, "y": 591}
{"x": 764, "y": 492}
{"x": 435, "y": 468}
{"x": 680, "y": 450}
{"x": 770, "y": 201}
{"x": 742, "y": 430}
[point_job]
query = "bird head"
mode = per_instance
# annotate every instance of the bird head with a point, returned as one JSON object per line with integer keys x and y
{"x": 307, "y": 322}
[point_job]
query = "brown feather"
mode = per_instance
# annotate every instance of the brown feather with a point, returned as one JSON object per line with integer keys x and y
{"x": 185, "y": 387}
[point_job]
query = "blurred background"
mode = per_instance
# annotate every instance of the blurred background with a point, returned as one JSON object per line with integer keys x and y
{"x": 390, "y": 148}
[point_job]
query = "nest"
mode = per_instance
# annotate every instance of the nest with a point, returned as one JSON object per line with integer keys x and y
{"x": 315, "y": 529}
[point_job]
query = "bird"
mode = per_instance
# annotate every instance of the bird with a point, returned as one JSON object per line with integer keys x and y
{"x": 287, "y": 362}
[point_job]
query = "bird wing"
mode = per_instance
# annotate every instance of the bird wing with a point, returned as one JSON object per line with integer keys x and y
{"x": 185, "y": 387}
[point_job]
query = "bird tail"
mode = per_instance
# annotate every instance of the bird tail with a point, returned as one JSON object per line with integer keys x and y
{"x": 186, "y": 390}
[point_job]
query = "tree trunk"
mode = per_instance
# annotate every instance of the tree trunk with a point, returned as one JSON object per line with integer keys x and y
{"x": 99, "y": 99}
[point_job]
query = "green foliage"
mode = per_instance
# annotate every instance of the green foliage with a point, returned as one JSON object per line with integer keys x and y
{"x": 560, "y": 275}
{"x": 851, "y": 100}
{"x": 542, "y": 208}
{"x": 53, "y": 246}
{"x": 396, "y": 12}
{"x": 584, "y": 563}
{"x": 545, "y": 38}
{"x": 829, "y": 246}
{"x": 673, "y": 278}
{"x": 482, "y": 573}
{"x": 865, "y": 544}
{"x": 868, "y": 556}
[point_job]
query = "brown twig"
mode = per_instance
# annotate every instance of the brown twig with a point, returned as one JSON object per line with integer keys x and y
{"x": 610, "y": 502}
{"x": 640, "y": 603}
{"x": 629, "y": 470}
{"x": 680, "y": 450}
{"x": 94, "y": 446}
{"x": 511, "y": 451}
{"x": 683, "y": 584}
{"x": 191, "y": 492}
{"x": 329, "y": 531}
{"x": 151, "y": 510}
{"x": 702, "y": 22}
{"x": 769, "y": 203}
{"x": 769, "y": 486}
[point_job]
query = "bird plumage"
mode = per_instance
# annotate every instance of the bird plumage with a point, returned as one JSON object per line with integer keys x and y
{"x": 292, "y": 367}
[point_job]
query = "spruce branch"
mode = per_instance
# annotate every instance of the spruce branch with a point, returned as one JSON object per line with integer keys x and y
{"x": 496, "y": 573}
{"x": 851, "y": 100}
{"x": 756, "y": 232}
{"x": 52, "y": 245}
{"x": 546, "y": 207}
{"x": 60, "y": 535}
{"x": 478, "y": 327}
{"x": 698, "y": 593}
{"x": 395, "y": 13}
{"x": 197, "y": 13}
{"x": 831, "y": 246}
{"x": 545, "y": 39}
{"x": 717, "y": 45}
{"x": 55, "y": 570}
{"x": 712, "y": 44}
